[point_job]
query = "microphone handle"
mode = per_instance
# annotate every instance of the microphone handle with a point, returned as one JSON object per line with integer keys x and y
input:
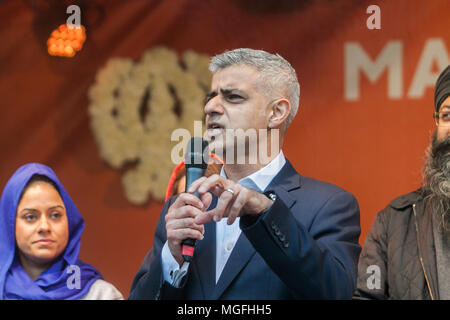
{"x": 187, "y": 245}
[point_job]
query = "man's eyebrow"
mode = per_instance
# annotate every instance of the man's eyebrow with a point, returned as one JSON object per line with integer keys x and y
{"x": 446, "y": 107}
{"x": 210, "y": 95}
{"x": 223, "y": 91}
{"x": 226, "y": 91}
{"x": 230, "y": 91}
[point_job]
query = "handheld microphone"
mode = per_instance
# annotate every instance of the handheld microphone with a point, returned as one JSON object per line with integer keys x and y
{"x": 196, "y": 162}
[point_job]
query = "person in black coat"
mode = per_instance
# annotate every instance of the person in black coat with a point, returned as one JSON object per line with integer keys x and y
{"x": 406, "y": 254}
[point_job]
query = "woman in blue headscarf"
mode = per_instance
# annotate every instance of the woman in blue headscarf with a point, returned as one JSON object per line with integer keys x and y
{"x": 40, "y": 233}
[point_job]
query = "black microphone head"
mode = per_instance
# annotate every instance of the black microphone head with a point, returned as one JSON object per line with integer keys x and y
{"x": 197, "y": 154}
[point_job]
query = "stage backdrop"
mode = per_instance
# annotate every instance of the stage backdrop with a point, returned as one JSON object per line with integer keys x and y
{"x": 364, "y": 122}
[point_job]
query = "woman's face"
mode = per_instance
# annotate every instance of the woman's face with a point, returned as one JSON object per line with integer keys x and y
{"x": 42, "y": 230}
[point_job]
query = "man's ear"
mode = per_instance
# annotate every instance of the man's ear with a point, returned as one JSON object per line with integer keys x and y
{"x": 279, "y": 113}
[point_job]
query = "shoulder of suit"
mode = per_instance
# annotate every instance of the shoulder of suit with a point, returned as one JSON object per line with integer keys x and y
{"x": 102, "y": 290}
{"x": 318, "y": 186}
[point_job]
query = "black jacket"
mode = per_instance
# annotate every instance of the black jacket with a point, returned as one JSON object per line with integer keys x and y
{"x": 401, "y": 247}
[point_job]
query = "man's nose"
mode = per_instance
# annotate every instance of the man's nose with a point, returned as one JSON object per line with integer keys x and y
{"x": 213, "y": 106}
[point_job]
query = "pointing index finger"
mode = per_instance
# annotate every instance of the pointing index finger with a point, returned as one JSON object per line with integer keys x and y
{"x": 213, "y": 181}
{"x": 193, "y": 187}
{"x": 188, "y": 199}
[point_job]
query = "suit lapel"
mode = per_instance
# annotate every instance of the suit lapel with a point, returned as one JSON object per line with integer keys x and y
{"x": 284, "y": 182}
{"x": 205, "y": 257}
{"x": 242, "y": 252}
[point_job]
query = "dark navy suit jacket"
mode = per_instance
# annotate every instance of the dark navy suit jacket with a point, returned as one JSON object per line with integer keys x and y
{"x": 304, "y": 247}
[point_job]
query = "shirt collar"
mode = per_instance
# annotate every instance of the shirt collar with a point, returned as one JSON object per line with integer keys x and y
{"x": 261, "y": 178}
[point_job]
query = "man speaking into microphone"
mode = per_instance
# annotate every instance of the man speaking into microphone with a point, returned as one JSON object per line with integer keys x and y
{"x": 262, "y": 230}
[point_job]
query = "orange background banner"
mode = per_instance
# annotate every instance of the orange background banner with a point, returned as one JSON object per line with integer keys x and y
{"x": 364, "y": 122}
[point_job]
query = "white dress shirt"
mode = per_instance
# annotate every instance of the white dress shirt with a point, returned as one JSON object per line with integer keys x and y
{"x": 227, "y": 235}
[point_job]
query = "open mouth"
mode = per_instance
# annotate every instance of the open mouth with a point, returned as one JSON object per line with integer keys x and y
{"x": 214, "y": 129}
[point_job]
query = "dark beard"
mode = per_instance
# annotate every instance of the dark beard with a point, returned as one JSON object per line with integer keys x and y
{"x": 437, "y": 180}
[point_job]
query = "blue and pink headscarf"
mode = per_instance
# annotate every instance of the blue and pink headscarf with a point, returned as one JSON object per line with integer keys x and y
{"x": 52, "y": 283}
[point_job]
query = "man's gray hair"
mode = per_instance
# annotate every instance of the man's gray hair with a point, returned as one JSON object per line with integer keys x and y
{"x": 279, "y": 78}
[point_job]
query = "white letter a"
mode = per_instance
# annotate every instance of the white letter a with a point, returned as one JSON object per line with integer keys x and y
{"x": 374, "y": 21}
